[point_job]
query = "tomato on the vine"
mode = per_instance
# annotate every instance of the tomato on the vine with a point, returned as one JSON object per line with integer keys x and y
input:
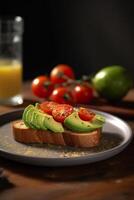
{"x": 61, "y": 95}
{"x": 61, "y": 73}
{"x": 62, "y": 111}
{"x": 85, "y": 114}
{"x": 82, "y": 93}
{"x": 48, "y": 106}
{"x": 42, "y": 86}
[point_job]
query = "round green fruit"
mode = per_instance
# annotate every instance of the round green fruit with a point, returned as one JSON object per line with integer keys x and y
{"x": 112, "y": 82}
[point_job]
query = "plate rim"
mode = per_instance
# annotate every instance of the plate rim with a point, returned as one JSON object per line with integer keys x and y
{"x": 87, "y": 158}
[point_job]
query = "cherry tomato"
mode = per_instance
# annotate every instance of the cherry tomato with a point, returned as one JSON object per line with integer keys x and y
{"x": 61, "y": 112}
{"x": 42, "y": 87}
{"x": 82, "y": 93}
{"x": 85, "y": 114}
{"x": 48, "y": 106}
{"x": 61, "y": 95}
{"x": 61, "y": 73}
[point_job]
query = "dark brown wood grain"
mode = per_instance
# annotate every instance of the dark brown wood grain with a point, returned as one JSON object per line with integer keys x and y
{"x": 112, "y": 179}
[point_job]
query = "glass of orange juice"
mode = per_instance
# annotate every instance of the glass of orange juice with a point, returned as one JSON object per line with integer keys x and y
{"x": 11, "y": 30}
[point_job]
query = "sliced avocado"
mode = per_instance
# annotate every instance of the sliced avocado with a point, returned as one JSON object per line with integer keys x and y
{"x": 35, "y": 121}
{"x": 37, "y": 105}
{"x": 38, "y": 120}
{"x": 74, "y": 123}
{"x": 44, "y": 121}
{"x": 25, "y": 114}
{"x": 52, "y": 125}
{"x": 98, "y": 119}
{"x": 30, "y": 117}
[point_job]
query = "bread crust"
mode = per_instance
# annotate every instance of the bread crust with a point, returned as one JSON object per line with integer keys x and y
{"x": 27, "y": 135}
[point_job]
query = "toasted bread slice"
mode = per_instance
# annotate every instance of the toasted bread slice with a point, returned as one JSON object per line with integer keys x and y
{"x": 27, "y": 135}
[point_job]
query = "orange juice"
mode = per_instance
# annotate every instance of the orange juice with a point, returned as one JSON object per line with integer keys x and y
{"x": 10, "y": 78}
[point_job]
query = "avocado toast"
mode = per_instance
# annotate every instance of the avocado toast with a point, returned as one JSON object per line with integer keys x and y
{"x": 58, "y": 124}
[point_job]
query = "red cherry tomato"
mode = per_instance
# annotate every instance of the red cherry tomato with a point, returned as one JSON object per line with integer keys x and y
{"x": 85, "y": 114}
{"x": 61, "y": 112}
{"x": 82, "y": 94}
{"x": 42, "y": 87}
{"x": 61, "y": 73}
{"x": 61, "y": 95}
{"x": 48, "y": 106}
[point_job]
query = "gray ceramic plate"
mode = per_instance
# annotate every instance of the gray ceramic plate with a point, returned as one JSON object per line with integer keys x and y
{"x": 116, "y": 136}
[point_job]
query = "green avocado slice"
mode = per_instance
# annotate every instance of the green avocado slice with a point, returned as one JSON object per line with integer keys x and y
{"x": 38, "y": 120}
{"x": 41, "y": 120}
{"x": 33, "y": 118}
{"x": 74, "y": 123}
{"x": 98, "y": 120}
{"x": 37, "y": 105}
{"x": 52, "y": 125}
{"x": 25, "y": 116}
{"x": 30, "y": 118}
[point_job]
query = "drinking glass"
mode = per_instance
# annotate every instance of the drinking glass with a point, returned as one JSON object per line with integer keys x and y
{"x": 11, "y": 31}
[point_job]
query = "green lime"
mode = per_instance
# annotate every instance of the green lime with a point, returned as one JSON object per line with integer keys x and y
{"x": 112, "y": 82}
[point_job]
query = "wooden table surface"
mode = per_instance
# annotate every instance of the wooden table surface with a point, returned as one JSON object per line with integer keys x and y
{"x": 112, "y": 179}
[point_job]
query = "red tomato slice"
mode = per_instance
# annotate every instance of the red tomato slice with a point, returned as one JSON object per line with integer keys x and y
{"x": 61, "y": 112}
{"x": 48, "y": 106}
{"x": 85, "y": 114}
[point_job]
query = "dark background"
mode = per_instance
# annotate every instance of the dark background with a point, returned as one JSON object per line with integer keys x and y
{"x": 86, "y": 34}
